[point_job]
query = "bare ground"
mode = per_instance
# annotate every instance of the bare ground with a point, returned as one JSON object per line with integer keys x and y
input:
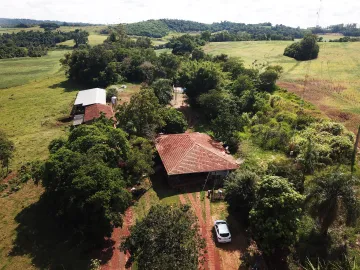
{"x": 316, "y": 92}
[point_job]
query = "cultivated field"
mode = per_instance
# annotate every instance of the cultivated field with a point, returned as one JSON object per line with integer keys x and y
{"x": 332, "y": 82}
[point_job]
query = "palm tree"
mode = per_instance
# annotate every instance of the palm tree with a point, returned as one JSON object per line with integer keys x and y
{"x": 331, "y": 193}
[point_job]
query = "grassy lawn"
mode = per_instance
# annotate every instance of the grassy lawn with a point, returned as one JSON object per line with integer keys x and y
{"x": 19, "y": 71}
{"x": 29, "y": 115}
{"x": 333, "y": 79}
{"x": 94, "y": 39}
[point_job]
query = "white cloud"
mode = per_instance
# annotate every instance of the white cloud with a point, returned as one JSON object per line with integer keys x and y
{"x": 293, "y": 13}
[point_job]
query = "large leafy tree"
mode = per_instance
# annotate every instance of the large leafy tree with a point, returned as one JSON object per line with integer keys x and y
{"x": 240, "y": 192}
{"x": 167, "y": 238}
{"x": 333, "y": 195}
{"x": 163, "y": 91}
{"x": 306, "y": 49}
{"x": 86, "y": 177}
{"x": 80, "y": 37}
{"x": 199, "y": 78}
{"x": 275, "y": 218}
{"x": 6, "y": 151}
{"x": 175, "y": 121}
{"x": 142, "y": 116}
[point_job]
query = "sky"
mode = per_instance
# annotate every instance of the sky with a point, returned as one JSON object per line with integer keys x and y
{"x": 293, "y": 13}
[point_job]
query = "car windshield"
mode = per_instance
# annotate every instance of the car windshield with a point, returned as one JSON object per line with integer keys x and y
{"x": 224, "y": 234}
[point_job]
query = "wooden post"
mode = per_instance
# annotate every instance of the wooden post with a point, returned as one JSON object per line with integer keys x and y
{"x": 353, "y": 159}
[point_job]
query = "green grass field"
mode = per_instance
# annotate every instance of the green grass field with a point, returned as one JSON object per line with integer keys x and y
{"x": 332, "y": 80}
{"x": 36, "y": 98}
{"x": 19, "y": 71}
{"x": 94, "y": 39}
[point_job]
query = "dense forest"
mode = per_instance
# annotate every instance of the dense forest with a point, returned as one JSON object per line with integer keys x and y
{"x": 6, "y": 22}
{"x": 235, "y": 31}
{"x": 36, "y": 43}
{"x": 345, "y": 29}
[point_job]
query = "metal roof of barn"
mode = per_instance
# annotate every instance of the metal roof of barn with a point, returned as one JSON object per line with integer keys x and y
{"x": 91, "y": 96}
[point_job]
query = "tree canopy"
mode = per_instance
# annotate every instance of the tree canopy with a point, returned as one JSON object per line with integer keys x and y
{"x": 275, "y": 217}
{"x": 306, "y": 49}
{"x": 167, "y": 238}
{"x": 86, "y": 176}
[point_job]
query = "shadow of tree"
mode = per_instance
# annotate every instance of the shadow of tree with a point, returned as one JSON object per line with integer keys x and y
{"x": 50, "y": 244}
{"x": 69, "y": 86}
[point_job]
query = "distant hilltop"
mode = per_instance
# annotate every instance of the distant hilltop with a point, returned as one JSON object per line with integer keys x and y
{"x": 5, "y": 22}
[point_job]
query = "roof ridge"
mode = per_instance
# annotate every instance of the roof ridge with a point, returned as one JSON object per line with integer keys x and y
{"x": 208, "y": 149}
{"x": 194, "y": 143}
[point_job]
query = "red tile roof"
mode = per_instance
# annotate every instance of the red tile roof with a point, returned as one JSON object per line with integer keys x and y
{"x": 94, "y": 111}
{"x": 193, "y": 153}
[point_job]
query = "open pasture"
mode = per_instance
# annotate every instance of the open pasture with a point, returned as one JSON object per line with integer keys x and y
{"x": 332, "y": 81}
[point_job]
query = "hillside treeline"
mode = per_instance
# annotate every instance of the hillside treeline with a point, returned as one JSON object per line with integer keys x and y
{"x": 345, "y": 29}
{"x": 265, "y": 31}
{"x": 35, "y": 43}
{"x": 5, "y": 22}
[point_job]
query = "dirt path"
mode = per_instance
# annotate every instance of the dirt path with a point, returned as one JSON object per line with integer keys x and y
{"x": 214, "y": 256}
{"x": 203, "y": 231}
{"x": 182, "y": 199}
{"x": 119, "y": 259}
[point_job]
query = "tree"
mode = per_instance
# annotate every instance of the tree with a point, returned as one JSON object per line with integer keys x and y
{"x": 167, "y": 238}
{"x": 199, "y": 78}
{"x": 234, "y": 66}
{"x": 240, "y": 192}
{"x": 6, "y": 151}
{"x": 111, "y": 92}
{"x": 275, "y": 218}
{"x": 306, "y": 49}
{"x": 169, "y": 63}
{"x": 333, "y": 194}
{"x": 80, "y": 37}
{"x": 183, "y": 45}
{"x": 142, "y": 116}
{"x": 198, "y": 54}
{"x": 241, "y": 84}
{"x": 205, "y": 35}
{"x": 268, "y": 79}
{"x": 175, "y": 121}
{"x": 83, "y": 183}
{"x": 163, "y": 91}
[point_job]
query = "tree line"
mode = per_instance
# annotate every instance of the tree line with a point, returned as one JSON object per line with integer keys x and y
{"x": 345, "y": 29}
{"x": 233, "y": 31}
{"x": 36, "y": 43}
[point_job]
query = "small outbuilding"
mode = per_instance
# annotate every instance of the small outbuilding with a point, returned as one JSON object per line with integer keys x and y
{"x": 191, "y": 158}
{"x": 94, "y": 111}
{"x": 84, "y": 110}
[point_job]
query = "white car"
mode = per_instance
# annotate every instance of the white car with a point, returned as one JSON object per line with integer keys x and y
{"x": 222, "y": 231}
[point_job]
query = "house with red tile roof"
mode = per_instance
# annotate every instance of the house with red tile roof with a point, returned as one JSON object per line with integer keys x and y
{"x": 191, "y": 157}
{"x": 94, "y": 111}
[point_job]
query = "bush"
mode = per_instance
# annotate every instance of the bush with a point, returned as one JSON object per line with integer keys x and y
{"x": 111, "y": 92}
{"x": 306, "y": 49}
{"x": 273, "y": 135}
{"x": 240, "y": 192}
{"x": 175, "y": 121}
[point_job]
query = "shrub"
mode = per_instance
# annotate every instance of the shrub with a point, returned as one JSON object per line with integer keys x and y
{"x": 240, "y": 192}
{"x": 175, "y": 121}
{"x": 306, "y": 49}
{"x": 111, "y": 92}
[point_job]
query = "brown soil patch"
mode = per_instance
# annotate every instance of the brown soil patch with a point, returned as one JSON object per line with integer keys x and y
{"x": 315, "y": 91}
{"x": 119, "y": 259}
{"x": 9, "y": 177}
{"x": 197, "y": 209}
